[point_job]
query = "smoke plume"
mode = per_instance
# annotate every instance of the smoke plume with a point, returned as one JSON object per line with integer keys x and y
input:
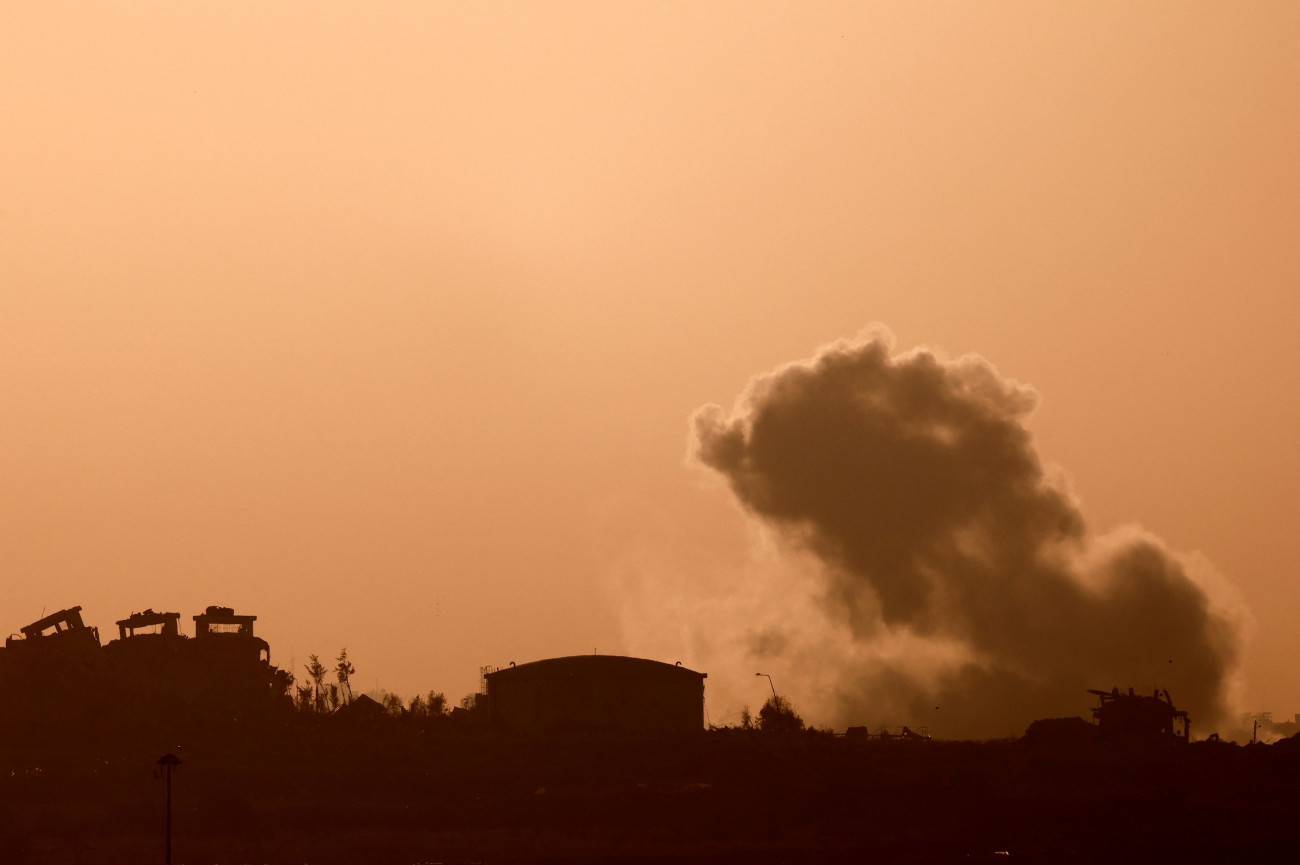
{"x": 956, "y": 578}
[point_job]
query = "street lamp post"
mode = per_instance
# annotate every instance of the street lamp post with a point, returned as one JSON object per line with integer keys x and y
{"x": 769, "y": 682}
{"x": 169, "y": 762}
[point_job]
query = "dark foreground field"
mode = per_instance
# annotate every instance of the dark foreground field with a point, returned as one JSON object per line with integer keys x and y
{"x": 312, "y": 797}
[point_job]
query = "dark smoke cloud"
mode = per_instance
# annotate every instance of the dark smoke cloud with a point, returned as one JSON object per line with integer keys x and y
{"x": 914, "y": 481}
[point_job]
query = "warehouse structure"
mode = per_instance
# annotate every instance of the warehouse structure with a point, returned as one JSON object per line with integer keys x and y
{"x": 595, "y": 693}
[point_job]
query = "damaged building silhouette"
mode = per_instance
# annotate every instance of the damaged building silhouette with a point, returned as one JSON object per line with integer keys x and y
{"x": 1138, "y": 718}
{"x": 62, "y": 632}
{"x": 55, "y": 673}
{"x": 1119, "y": 718}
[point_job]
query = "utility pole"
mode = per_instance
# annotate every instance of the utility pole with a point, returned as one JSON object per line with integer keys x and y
{"x": 769, "y": 682}
{"x": 168, "y": 762}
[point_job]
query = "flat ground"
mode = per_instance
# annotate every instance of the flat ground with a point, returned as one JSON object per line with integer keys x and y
{"x": 397, "y": 798}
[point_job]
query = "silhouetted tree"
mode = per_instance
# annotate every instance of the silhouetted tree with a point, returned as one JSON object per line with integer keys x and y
{"x": 303, "y": 699}
{"x": 393, "y": 705}
{"x": 778, "y": 716}
{"x": 434, "y": 705}
{"x": 343, "y": 671}
{"x": 316, "y": 672}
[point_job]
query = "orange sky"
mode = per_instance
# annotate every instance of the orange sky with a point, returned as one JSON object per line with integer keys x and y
{"x": 386, "y": 324}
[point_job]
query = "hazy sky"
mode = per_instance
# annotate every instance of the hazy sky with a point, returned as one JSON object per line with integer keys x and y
{"x": 385, "y": 322}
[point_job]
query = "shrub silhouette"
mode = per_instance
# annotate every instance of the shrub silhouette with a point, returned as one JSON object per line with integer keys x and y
{"x": 778, "y": 716}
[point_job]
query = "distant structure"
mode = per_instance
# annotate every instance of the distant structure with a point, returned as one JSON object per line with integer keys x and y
{"x": 888, "y": 734}
{"x": 1137, "y": 718}
{"x": 234, "y": 633}
{"x": 56, "y": 672}
{"x": 150, "y": 644}
{"x": 1265, "y": 729}
{"x": 595, "y": 693}
{"x": 61, "y": 631}
{"x": 364, "y": 709}
{"x": 137, "y": 622}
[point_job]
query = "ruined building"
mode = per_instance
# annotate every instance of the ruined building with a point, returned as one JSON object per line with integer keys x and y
{"x": 1137, "y": 718}
{"x": 152, "y": 675}
{"x": 61, "y": 632}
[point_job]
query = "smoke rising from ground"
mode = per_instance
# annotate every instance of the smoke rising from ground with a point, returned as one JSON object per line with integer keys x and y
{"x": 955, "y": 576}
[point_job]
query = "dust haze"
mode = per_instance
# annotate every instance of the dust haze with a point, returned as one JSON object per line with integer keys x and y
{"x": 926, "y": 566}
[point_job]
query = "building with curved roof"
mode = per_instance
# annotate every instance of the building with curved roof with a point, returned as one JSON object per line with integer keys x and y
{"x": 605, "y": 693}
